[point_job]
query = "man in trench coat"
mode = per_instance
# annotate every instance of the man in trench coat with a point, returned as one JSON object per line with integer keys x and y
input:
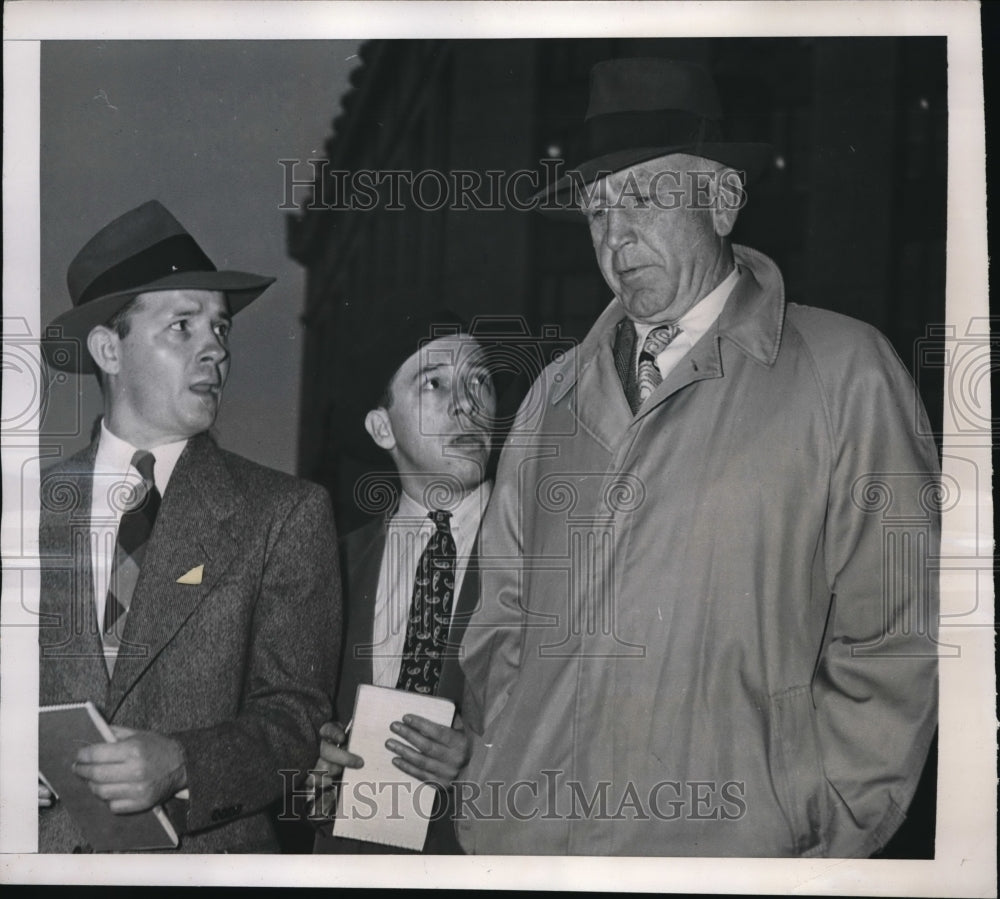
{"x": 707, "y": 624}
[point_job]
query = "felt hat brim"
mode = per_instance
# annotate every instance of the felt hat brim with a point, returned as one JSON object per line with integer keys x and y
{"x": 64, "y": 343}
{"x": 560, "y": 200}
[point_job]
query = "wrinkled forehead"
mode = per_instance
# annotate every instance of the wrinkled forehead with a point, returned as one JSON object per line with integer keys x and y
{"x": 677, "y": 175}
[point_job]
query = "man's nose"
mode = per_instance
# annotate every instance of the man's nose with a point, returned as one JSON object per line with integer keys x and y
{"x": 465, "y": 401}
{"x": 214, "y": 348}
{"x": 619, "y": 231}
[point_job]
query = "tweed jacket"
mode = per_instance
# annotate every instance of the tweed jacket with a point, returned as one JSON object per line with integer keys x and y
{"x": 238, "y": 669}
{"x": 361, "y": 560}
{"x": 719, "y": 638}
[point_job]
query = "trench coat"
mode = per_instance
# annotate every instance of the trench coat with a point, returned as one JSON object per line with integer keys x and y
{"x": 238, "y": 668}
{"x": 709, "y": 628}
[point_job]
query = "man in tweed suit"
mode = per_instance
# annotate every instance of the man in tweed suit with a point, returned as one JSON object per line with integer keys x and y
{"x": 203, "y": 635}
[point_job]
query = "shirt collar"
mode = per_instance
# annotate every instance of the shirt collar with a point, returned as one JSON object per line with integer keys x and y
{"x": 469, "y": 509}
{"x": 753, "y": 321}
{"x": 701, "y": 316}
{"x": 115, "y": 455}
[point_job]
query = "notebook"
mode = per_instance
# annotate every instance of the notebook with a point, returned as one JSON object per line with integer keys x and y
{"x": 62, "y": 731}
{"x": 379, "y": 803}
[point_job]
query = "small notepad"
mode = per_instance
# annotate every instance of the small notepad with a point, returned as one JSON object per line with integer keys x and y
{"x": 379, "y": 803}
{"x": 62, "y": 731}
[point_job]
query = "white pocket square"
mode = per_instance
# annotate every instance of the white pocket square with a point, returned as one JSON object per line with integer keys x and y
{"x": 193, "y": 576}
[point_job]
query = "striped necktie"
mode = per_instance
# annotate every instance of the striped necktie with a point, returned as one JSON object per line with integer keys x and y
{"x": 430, "y": 610}
{"x": 133, "y": 535}
{"x": 649, "y": 377}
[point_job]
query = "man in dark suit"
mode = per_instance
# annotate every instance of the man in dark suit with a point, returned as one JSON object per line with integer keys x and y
{"x": 430, "y": 404}
{"x": 187, "y": 592}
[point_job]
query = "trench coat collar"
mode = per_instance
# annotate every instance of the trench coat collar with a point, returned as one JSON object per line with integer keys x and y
{"x": 752, "y": 320}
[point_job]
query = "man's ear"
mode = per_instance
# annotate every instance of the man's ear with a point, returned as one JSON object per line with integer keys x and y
{"x": 379, "y": 428}
{"x": 729, "y": 197}
{"x": 103, "y": 344}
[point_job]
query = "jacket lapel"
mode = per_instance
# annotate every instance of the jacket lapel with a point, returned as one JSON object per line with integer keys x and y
{"x": 195, "y": 527}
{"x": 362, "y": 564}
{"x": 606, "y": 421}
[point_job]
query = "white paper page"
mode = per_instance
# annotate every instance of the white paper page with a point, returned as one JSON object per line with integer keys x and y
{"x": 379, "y": 803}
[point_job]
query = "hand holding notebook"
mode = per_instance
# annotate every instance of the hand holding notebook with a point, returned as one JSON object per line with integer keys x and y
{"x": 382, "y": 802}
{"x": 69, "y": 731}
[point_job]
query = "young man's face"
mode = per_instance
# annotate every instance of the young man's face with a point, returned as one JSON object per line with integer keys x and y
{"x": 166, "y": 378}
{"x": 441, "y": 414}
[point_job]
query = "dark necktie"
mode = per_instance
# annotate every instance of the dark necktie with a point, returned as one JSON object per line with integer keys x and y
{"x": 133, "y": 535}
{"x": 624, "y": 353}
{"x": 430, "y": 610}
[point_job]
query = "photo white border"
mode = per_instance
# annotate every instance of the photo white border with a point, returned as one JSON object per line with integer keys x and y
{"x": 966, "y": 834}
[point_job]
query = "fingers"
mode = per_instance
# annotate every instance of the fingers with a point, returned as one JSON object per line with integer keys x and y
{"x": 44, "y": 796}
{"x": 331, "y": 756}
{"x": 122, "y": 733}
{"x": 436, "y": 732}
{"x": 105, "y": 762}
{"x": 102, "y": 773}
{"x": 334, "y": 732}
{"x": 135, "y": 773}
{"x": 124, "y": 798}
{"x": 436, "y": 755}
{"x": 421, "y": 766}
{"x": 122, "y": 752}
{"x": 434, "y": 740}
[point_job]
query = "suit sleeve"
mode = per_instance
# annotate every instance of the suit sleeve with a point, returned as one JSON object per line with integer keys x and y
{"x": 233, "y": 768}
{"x": 875, "y": 689}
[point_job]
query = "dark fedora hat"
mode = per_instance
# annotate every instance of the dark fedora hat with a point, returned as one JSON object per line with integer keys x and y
{"x": 144, "y": 250}
{"x": 375, "y": 362}
{"x": 644, "y": 108}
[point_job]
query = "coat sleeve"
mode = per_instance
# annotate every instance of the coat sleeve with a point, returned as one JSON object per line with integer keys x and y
{"x": 875, "y": 687}
{"x": 233, "y": 768}
{"x": 491, "y": 646}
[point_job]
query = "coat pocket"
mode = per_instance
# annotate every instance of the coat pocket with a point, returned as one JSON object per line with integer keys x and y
{"x": 796, "y": 764}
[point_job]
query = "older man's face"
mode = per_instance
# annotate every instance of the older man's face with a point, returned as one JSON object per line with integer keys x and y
{"x": 655, "y": 238}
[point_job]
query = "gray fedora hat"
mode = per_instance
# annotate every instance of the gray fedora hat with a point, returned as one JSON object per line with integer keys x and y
{"x": 644, "y": 108}
{"x": 144, "y": 250}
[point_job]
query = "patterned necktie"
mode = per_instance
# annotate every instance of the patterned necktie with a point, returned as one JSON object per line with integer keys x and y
{"x": 430, "y": 610}
{"x": 133, "y": 535}
{"x": 649, "y": 377}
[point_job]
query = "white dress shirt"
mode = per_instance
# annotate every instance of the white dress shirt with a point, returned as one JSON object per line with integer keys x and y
{"x": 407, "y": 535}
{"x": 693, "y": 324}
{"x": 113, "y": 475}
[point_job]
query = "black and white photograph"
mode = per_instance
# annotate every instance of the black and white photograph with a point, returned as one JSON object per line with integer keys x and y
{"x": 463, "y": 431}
